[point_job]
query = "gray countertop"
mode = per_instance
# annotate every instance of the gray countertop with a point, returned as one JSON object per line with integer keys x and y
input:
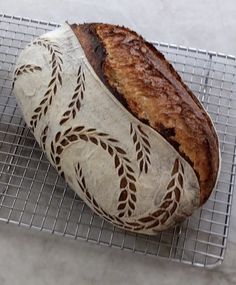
{"x": 32, "y": 257}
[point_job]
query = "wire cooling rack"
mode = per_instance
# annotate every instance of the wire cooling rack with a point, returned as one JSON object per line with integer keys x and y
{"x": 33, "y": 195}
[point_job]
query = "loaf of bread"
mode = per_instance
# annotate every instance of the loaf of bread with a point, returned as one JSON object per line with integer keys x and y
{"x": 118, "y": 123}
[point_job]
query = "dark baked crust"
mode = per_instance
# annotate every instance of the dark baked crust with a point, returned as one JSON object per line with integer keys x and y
{"x": 148, "y": 86}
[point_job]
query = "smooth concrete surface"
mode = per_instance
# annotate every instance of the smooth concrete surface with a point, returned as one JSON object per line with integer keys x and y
{"x": 31, "y": 257}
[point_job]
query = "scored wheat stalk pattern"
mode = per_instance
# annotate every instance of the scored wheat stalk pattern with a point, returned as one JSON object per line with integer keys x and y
{"x": 142, "y": 147}
{"x": 127, "y": 197}
{"x": 166, "y": 208}
{"x": 26, "y": 68}
{"x": 56, "y": 62}
{"x": 94, "y": 204}
{"x": 170, "y": 202}
{"x": 78, "y": 95}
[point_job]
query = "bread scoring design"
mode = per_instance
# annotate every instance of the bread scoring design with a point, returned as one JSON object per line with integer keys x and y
{"x": 93, "y": 203}
{"x": 75, "y": 104}
{"x": 127, "y": 197}
{"x": 169, "y": 205}
{"x": 56, "y": 78}
{"x": 171, "y": 200}
{"x": 43, "y": 138}
{"x": 25, "y": 68}
{"x": 142, "y": 147}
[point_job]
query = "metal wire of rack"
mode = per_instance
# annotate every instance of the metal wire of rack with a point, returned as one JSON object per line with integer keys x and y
{"x": 33, "y": 195}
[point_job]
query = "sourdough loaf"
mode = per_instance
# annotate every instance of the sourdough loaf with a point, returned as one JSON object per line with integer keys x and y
{"x": 118, "y": 123}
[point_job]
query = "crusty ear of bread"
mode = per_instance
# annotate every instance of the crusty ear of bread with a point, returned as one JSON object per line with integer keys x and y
{"x": 142, "y": 79}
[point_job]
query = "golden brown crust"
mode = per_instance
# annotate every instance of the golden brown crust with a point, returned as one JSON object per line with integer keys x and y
{"x": 146, "y": 84}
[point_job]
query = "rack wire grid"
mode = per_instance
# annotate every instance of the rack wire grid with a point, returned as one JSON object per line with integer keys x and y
{"x": 33, "y": 195}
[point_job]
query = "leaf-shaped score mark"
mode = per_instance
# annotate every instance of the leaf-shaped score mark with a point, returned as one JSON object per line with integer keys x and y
{"x": 26, "y": 68}
{"x": 142, "y": 147}
{"x": 77, "y": 97}
{"x": 43, "y": 138}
